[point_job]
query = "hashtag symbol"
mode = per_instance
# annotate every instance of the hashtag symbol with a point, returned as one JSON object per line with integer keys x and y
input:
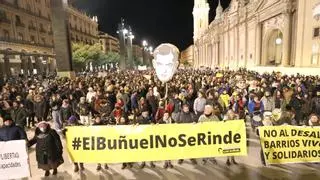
{"x": 76, "y": 143}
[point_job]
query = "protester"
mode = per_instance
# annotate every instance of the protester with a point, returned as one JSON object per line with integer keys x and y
{"x": 73, "y": 121}
{"x": 199, "y": 104}
{"x": 18, "y": 114}
{"x": 55, "y": 104}
{"x": 313, "y": 120}
{"x": 185, "y": 116}
{"x": 39, "y": 107}
{"x": 166, "y": 119}
{"x": 144, "y": 119}
{"x": 98, "y": 122}
{"x": 231, "y": 115}
{"x": 11, "y": 132}
{"x": 65, "y": 111}
{"x": 123, "y": 94}
{"x": 48, "y": 148}
{"x": 83, "y": 109}
{"x": 208, "y": 116}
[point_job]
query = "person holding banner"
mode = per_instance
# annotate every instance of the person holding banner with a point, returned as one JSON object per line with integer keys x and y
{"x": 144, "y": 119}
{"x": 185, "y": 116}
{"x": 208, "y": 116}
{"x": 49, "y": 148}
{"x": 313, "y": 121}
{"x": 73, "y": 121}
{"x": 231, "y": 115}
{"x": 98, "y": 122}
{"x": 11, "y": 132}
{"x": 166, "y": 119}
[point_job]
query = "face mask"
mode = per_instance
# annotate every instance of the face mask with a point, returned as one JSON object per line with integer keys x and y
{"x": 42, "y": 129}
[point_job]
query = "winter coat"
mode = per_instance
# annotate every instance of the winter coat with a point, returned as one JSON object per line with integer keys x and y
{"x": 19, "y": 116}
{"x": 66, "y": 112}
{"x": 142, "y": 120}
{"x": 316, "y": 105}
{"x": 177, "y": 105}
{"x": 253, "y": 106}
{"x": 83, "y": 109}
{"x": 39, "y": 108}
{"x": 11, "y": 133}
{"x": 204, "y": 118}
{"x": 199, "y": 104}
{"x": 226, "y": 100}
{"x": 55, "y": 105}
{"x": 134, "y": 102}
{"x": 105, "y": 110}
{"x": 159, "y": 114}
{"x": 269, "y": 103}
{"x": 186, "y": 117}
{"x": 153, "y": 103}
{"x": 29, "y": 106}
{"x": 49, "y": 148}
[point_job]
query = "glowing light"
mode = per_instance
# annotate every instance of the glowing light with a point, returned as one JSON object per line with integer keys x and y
{"x": 144, "y": 43}
{"x": 278, "y": 41}
{"x": 125, "y": 31}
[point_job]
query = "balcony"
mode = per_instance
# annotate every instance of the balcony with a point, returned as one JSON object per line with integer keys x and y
{"x": 17, "y": 41}
{"x": 16, "y": 6}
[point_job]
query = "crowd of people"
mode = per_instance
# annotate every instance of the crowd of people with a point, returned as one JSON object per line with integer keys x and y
{"x": 138, "y": 97}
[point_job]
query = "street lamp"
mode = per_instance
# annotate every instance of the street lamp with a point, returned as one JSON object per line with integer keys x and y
{"x": 278, "y": 41}
{"x": 144, "y": 43}
{"x": 151, "y": 49}
{"x": 125, "y": 31}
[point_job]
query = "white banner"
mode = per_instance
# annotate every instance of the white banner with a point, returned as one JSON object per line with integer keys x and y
{"x": 13, "y": 160}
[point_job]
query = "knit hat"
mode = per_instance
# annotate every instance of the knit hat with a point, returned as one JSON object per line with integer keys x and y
{"x": 72, "y": 120}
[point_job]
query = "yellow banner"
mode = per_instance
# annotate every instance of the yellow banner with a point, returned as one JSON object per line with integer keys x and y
{"x": 116, "y": 144}
{"x": 290, "y": 144}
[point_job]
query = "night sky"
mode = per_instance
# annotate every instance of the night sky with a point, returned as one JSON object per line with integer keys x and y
{"x": 157, "y": 21}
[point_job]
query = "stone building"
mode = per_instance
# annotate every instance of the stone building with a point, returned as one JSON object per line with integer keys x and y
{"x": 258, "y": 33}
{"x": 109, "y": 43}
{"x": 26, "y": 36}
{"x": 187, "y": 55}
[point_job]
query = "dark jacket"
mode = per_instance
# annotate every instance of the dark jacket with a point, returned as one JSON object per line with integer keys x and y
{"x": 40, "y": 108}
{"x": 186, "y": 117}
{"x": 49, "y": 146}
{"x": 83, "y": 109}
{"x": 142, "y": 120}
{"x": 19, "y": 116}
{"x": 66, "y": 112}
{"x": 13, "y": 132}
{"x": 316, "y": 105}
{"x": 29, "y": 106}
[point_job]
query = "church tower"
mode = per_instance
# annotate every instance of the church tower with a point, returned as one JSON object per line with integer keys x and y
{"x": 200, "y": 17}
{"x": 219, "y": 11}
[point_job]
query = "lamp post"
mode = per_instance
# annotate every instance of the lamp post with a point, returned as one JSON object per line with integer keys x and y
{"x": 129, "y": 38}
{"x": 122, "y": 31}
{"x": 147, "y": 51}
